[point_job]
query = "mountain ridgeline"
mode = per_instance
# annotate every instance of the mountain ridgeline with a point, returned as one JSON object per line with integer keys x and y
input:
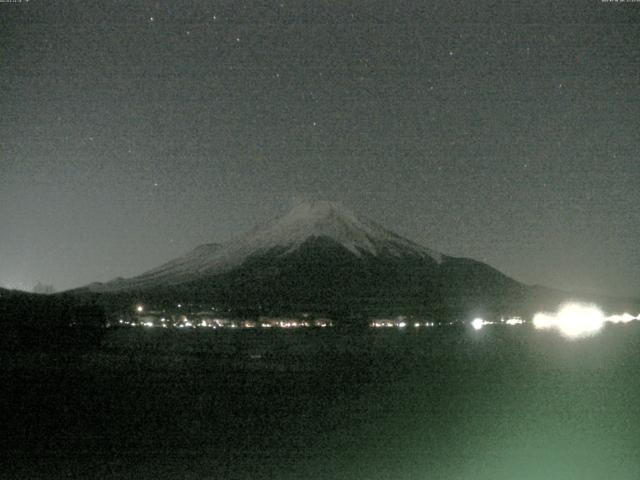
{"x": 322, "y": 258}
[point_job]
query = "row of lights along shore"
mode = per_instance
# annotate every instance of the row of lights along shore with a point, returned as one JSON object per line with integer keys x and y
{"x": 573, "y": 320}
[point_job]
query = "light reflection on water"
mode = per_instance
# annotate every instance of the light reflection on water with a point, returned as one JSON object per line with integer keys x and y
{"x": 501, "y": 404}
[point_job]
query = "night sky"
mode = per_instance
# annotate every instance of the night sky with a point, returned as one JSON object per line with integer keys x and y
{"x": 508, "y": 132}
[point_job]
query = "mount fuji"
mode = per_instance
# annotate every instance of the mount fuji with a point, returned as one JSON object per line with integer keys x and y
{"x": 323, "y": 257}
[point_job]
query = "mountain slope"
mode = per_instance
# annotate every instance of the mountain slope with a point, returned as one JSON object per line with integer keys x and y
{"x": 284, "y": 235}
{"x": 322, "y": 257}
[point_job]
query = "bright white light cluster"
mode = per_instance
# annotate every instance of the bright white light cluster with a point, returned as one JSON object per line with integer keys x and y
{"x": 573, "y": 320}
{"x": 624, "y": 318}
{"x": 514, "y": 321}
{"x": 399, "y": 323}
{"x": 578, "y": 320}
{"x": 477, "y": 323}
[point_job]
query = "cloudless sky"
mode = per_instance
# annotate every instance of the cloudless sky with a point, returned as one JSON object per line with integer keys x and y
{"x": 509, "y": 132}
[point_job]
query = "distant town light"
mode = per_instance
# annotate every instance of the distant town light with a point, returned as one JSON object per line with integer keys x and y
{"x": 573, "y": 320}
{"x": 543, "y": 320}
{"x": 627, "y": 317}
{"x": 577, "y": 320}
{"x": 514, "y": 321}
{"x": 477, "y": 323}
{"x": 624, "y": 318}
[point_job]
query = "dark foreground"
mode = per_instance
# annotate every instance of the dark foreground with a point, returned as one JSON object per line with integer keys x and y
{"x": 502, "y": 403}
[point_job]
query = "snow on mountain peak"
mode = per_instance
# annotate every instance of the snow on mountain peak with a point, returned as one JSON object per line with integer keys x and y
{"x": 309, "y": 220}
{"x": 320, "y": 219}
{"x": 333, "y": 220}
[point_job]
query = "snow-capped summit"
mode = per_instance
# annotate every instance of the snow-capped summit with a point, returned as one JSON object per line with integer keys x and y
{"x": 333, "y": 221}
{"x": 322, "y": 257}
{"x": 307, "y": 221}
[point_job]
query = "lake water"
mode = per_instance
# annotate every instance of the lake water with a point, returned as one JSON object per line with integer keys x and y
{"x": 443, "y": 403}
